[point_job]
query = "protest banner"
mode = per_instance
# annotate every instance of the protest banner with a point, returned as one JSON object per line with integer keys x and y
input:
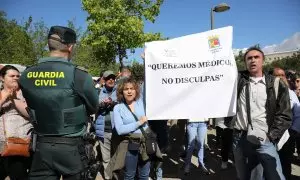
{"x": 191, "y": 77}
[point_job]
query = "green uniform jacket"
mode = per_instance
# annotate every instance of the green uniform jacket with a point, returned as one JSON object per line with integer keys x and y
{"x": 59, "y": 96}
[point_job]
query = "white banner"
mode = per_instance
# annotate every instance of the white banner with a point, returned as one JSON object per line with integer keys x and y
{"x": 191, "y": 77}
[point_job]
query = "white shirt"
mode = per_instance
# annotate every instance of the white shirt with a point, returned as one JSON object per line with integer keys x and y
{"x": 220, "y": 123}
{"x": 258, "y": 99}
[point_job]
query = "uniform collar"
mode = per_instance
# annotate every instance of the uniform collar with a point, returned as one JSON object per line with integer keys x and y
{"x": 54, "y": 59}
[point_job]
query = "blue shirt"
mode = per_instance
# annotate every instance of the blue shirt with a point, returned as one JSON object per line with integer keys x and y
{"x": 104, "y": 120}
{"x": 296, "y": 111}
{"x": 104, "y": 93}
{"x": 124, "y": 121}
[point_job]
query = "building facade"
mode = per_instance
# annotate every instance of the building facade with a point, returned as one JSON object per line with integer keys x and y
{"x": 270, "y": 57}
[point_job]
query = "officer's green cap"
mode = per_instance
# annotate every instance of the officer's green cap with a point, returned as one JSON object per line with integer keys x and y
{"x": 66, "y": 35}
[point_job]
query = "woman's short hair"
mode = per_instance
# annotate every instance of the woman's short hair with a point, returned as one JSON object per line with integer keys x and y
{"x": 5, "y": 68}
{"x": 121, "y": 86}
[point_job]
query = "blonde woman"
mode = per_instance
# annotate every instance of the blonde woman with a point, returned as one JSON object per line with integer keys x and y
{"x": 128, "y": 95}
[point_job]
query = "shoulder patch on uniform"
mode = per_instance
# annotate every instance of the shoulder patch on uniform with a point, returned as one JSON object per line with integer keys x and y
{"x": 30, "y": 66}
{"x": 81, "y": 68}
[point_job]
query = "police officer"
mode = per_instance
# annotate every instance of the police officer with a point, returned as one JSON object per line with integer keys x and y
{"x": 60, "y": 96}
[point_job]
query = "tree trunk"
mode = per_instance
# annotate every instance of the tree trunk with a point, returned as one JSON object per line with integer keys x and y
{"x": 121, "y": 55}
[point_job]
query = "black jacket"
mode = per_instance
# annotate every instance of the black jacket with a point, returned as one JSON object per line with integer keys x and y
{"x": 279, "y": 114}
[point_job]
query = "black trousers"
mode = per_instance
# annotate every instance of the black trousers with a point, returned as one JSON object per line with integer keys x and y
{"x": 226, "y": 141}
{"x": 161, "y": 129}
{"x": 286, "y": 155}
{"x": 219, "y": 132}
{"x": 298, "y": 145}
{"x": 53, "y": 159}
{"x": 15, "y": 167}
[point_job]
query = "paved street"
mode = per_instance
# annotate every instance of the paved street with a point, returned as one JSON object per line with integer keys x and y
{"x": 173, "y": 164}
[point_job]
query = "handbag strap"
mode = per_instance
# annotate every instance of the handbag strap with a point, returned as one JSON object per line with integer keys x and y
{"x": 136, "y": 118}
{"x": 3, "y": 121}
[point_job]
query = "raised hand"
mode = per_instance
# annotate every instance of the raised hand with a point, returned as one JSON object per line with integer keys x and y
{"x": 5, "y": 94}
{"x": 143, "y": 120}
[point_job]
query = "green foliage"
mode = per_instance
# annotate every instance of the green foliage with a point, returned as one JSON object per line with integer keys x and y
{"x": 114, "y": 27}
{"x": 118, "y": 25}
{"x": 16, "y": 45}
{"x": 25, "y": 44}
{"x": 239, "y": 59}
{"x": 86, "y": 57}
{"x": 38, "y": 33}
{"x": 287, "y": 63}
{"x": 78, "y": 30}
{"x": 138, "y": 71}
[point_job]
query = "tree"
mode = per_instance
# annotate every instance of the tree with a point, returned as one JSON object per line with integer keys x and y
{"x": 239, "y": 59}
{"x": 115, "y": 26}
{"x": 78, "y": 30}
{"x": 38, "y": 33}
{"x": 138, "y": 71}
{"x": 86, "y": 56}
{"x": 287, "y": 63}
{"x": 16, "y": 45}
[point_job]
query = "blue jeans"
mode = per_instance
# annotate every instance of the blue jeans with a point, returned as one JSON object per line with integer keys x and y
{"x": 195, "y": 130}
{"x": 131, "y": 162}
{"x": 159, "y": 174}
{"x": 255, "y": 162}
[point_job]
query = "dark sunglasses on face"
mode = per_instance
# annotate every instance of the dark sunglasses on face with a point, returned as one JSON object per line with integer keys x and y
{"x": 109, "y": 77}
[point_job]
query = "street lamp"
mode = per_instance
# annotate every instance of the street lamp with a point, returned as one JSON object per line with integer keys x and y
{"x": 219, "y": 8}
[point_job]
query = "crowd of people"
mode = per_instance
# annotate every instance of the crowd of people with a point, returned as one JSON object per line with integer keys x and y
{"x": 54, "y": 115}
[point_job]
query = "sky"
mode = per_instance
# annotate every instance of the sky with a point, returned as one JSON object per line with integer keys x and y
{"x": 274, "y": 24}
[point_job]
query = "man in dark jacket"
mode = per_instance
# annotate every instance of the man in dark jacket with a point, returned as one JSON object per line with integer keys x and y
{"x": 262, "y": 118}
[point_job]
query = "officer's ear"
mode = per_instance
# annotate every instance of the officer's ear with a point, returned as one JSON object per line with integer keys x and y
{"x": 70, "y": 47}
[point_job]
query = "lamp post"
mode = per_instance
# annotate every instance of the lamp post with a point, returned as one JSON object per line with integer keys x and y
{"x": 219, "y": 8}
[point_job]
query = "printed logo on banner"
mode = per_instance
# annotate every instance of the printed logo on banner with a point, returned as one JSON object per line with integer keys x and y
{"x": 214, "y": 43}
{"x": 170, "y": 53}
